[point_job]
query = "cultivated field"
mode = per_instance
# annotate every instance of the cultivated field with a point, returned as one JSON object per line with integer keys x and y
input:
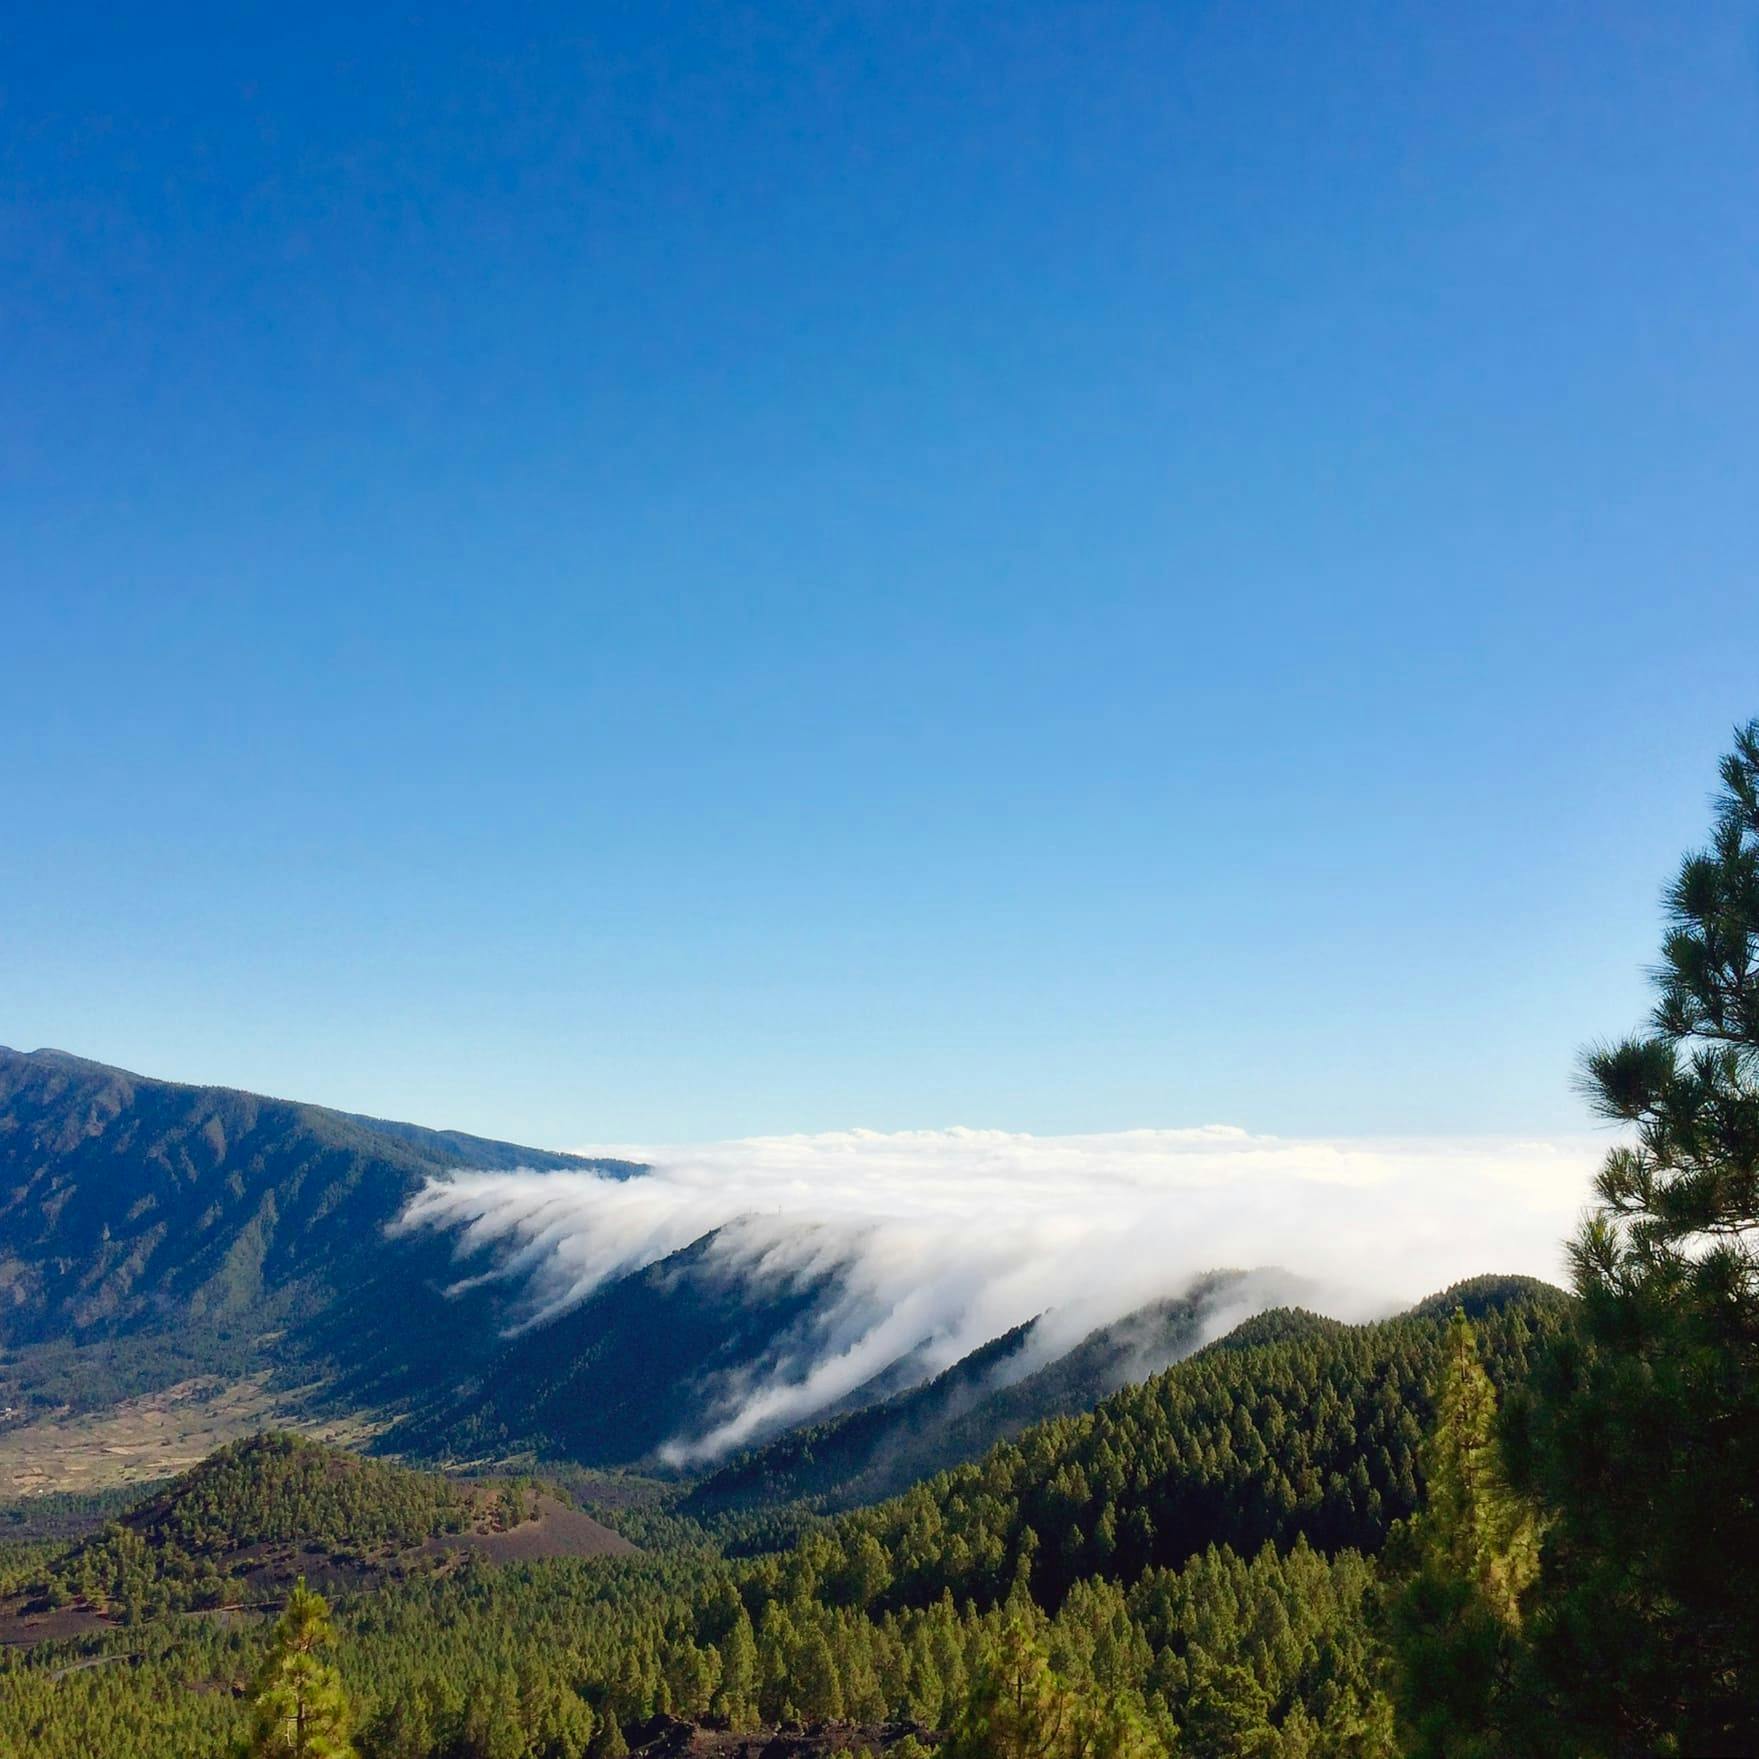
{"x": 150, "y": 1437}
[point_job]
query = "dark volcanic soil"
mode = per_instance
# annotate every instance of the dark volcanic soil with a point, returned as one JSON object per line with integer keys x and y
{"x": 264, "y": 1573}
{"x": 665, "y": 1738}
{"x": 558, "y": 1531}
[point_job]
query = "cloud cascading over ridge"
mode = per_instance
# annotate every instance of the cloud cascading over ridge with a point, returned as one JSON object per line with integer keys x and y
{"x": 932, "y": 1242}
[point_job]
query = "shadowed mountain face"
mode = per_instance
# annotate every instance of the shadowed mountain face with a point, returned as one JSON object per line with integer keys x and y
{"x": 641, "y": 1362}
{"x": 152, "y": 1232}
{"x": 191, "y": 1221}
{"x": 992, "y": 1395}
{"x": 647, "y": 1360}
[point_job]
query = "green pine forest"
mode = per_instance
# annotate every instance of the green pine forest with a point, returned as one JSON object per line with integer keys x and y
{"x": 1515, "y": 1521}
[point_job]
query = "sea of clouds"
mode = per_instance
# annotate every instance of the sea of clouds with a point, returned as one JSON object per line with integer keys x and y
{"x": 929, "y": 1243}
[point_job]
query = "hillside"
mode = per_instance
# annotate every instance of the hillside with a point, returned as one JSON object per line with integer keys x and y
{"x": 255, "y": 1516}
{"x": 1202, "y": 1545}
{"x": 867, "y": 1454}
{"x": 174, "y": 1260}
{"x": 181, "y": 1265}
{"x": 1293, "y": 1428}
{"x": 615, "y": 1378}
{"x": 150, "y": 1230}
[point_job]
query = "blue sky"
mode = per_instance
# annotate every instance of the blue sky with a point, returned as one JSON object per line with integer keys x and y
{"x": 663, "y": 572}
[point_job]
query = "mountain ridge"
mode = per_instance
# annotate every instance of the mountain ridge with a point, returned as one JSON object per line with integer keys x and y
{"x": 155, "y": 1232}
{"x": 863, "y": 1455}
{"x": 199, "y": 1222}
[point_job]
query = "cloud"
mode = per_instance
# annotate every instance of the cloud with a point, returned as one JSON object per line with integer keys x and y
{"x": 931, "y": 1242}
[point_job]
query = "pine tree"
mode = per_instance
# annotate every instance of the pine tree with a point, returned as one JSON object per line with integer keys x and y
{"x": 493, "y": 1727}
{"x": 1228, "y": 1716}
{"x": 1475, "y": 1551}
{"x": 1641, "y": 1434}
{"x": 1019, "y": 1709}
{"x": 737, "y": 1698}
{"x": 609, "y": 1742}
{"x": 1110, "y": 1727}
{"x": 1474, "y": 1524}
{"x": 817, "y": 1689}
{"x": 403, "y": 1729}
{"x": 298, "y": 1709}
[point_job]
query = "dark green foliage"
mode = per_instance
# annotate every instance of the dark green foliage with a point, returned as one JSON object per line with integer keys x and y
{"x": 1259, "y": 1645}
{"x": 280, "y": 1487}
{"x": 1020, "y": 1708}
{"x": 1640, "y": 1432}
{"x": 188, "y": 1545}
{"x": 1274, "y": 1655}
{"x": 1479, "y": 1295}
{"x": 449, "y": 1666}
{"x": 874, "y": 1452}
{"x": 1314, "y": 1434}
{"x": 298, "y": 1709}
{"x": 1468, "y": 1558}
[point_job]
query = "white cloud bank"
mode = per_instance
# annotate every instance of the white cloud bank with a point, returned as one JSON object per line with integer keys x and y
{"x": 940, "y": 1240}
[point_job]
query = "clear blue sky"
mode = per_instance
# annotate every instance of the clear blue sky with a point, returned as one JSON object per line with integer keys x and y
{"x": 602, "y": 573}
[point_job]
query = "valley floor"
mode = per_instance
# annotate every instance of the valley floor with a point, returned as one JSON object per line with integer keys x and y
{"x": 156, "y": 1435}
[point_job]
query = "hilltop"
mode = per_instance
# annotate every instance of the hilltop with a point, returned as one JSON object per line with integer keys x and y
{"x": 247, "y": 1522}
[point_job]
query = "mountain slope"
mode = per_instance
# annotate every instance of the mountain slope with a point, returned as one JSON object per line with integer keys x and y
{"x": 1293, "y": 1427}
{"x": 1200, "y": 1540}
{"x": 613, "y": 1380}
{"x": 258, "y": 1515}
{"x": 989, "y": 1396}
{"x": 152, "y": 1233}
{"x": 194, "y": 1220}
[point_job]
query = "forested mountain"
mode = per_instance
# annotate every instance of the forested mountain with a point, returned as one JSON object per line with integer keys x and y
{"x": 1195, "y": 1551}
{"x": 869, "y": 1453}
{"x": 151, "y": 1231}
{"x": 167, "y": 1228}
{"x": 613, "y": 1379}
{"x": 260, "y": 1514}
{"x": 265, "y": 1508}
{"x": 1299, "y": 1428}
